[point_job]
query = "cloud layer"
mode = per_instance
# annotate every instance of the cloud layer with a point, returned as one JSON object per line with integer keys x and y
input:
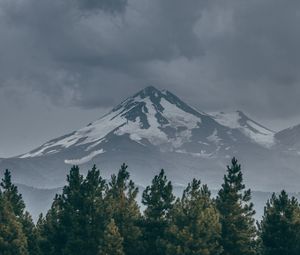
{"x": 216, "y": 54}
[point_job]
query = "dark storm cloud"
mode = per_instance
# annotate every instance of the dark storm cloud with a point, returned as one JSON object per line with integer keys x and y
{"x": 106, "y": 5}
{"x": 216, "y": 54}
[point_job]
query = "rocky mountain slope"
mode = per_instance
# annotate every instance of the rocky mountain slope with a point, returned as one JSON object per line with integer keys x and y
{"x": 155, "y": 129}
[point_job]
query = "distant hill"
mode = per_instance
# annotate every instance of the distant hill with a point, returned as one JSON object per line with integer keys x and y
{"x": 40, "y": 200}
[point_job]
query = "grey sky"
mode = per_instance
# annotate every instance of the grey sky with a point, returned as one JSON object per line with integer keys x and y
{"x": 64, "y": 63}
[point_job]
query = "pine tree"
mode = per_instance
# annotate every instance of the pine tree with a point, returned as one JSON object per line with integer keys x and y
{"x": 121, "y": 205}
{"x": 12, "y": 239}
{"x": 10, "y": 191}
{"x": 236, "y": 214}
{"x": 43, "y": 236}
{"x": 31, "y": 234}
{"x": 51, "y": 235}
{"x": 280, "y": 226}
{"x": 194, "y": 226}
{"x": 93, "y": 189}
{"x": 71, "y": 216}
{"x": 12, "y": 195}
{"x": 62, "y": 230}
{"x": 158, "y": 199}
{"x": 75, "y": 223}
{"x": 112, "y": 243}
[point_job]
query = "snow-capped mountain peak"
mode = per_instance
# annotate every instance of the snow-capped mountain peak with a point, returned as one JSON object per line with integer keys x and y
{"x": 252, "y": 129}
{"x": 158, "y": 118}
{"x": 155, "y": 129}
{"x": 150, "y": 116}
{"x": 290, "y": 138}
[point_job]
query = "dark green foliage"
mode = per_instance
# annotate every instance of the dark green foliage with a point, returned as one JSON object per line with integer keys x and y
{"x": 31, "y": 234}
{"x": 236, "y": 214}
{"x": 121, "y": 205}
{"x": 11, "y": 194}
{"x": 12, "y": 239}
{"x": 112, "y": 243}
{"x": 93, "y": 194}
{"x": 194, "y": 226}
{"x": 10, "y": 191}
{"x": 51, "y": 241}
{"x": 158, "y": 199}
{"x": 74, "y": 224}
{"x": 70, "y": 215}
{"x": 280, "y": 226}
{"x": 93, "y": 217}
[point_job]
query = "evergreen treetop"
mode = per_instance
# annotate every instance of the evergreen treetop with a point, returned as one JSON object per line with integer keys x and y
{"x": 280, "y": 226}
{"x": 236, "y": 214}
{"x": 194, "y": 226}
{"x": 121, "y": 205}
{"x": 159, "y": 200}
{"x": 158, "y": 197}
{"x": 10, "y": 191}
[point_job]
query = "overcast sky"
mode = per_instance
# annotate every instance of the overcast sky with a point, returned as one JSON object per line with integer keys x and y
{"x": 65, "y": 63}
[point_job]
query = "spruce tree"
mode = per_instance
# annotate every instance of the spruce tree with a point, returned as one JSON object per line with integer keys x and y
{"x": 280, "y": 226}
{"x": 93, "y": 189}
{"x": 236, "y": 214}
{"x": 121, "y": 205}
{"x": 51, "y": 237}
{"x": 112, "y": 243}
{"x": 62, "y": 231}
{"x": 194, "y": 226}
{"x": 31, "y": 234}
{"x": 71, "y": 216}
{"x": 12, "y": 195}
{"x": 12, "y": 239}
{"x": 10, "y": 191}
{"x": 43, "y": 236}
{"x": 75, "y": 223}
{"x": 158, "y": 199}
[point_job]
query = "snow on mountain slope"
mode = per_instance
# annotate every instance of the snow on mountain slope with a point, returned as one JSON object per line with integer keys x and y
{"x": 84, "y": 159}
{"x": 161, "y": 119}
{"x": 290, "y": 139}
{"x": 155, "y": 129}
{"x": 255, "y": 131}
{"x": 144, "y": 116}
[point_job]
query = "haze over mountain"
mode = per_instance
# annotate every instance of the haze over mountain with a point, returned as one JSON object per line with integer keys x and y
{"x": 155, "y": 129}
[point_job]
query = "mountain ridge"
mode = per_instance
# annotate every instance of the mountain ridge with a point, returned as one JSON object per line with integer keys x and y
{"x": 155, "y": 129}
{"x": 134, "y": 107}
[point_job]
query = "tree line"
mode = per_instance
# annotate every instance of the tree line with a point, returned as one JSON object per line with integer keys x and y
{"x": 94, "y": 216}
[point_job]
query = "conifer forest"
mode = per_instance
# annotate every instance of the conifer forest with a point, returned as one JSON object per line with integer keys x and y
{"x": 95, "y": 216}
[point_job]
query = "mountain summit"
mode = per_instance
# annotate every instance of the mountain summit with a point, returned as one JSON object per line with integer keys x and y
{"x": 150, "y": 130}
{"x": 159, "y": 118}
{"x": 150, "y": 117}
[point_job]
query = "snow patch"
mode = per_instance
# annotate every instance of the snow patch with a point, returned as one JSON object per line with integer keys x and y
{"x": 263, "y": 136}
{"x": 254, "y": 131}
{"x": 153, "y": 134}
{"x": 94, "y": 145}
{"x": 89, "y": 134}
{"x": 230, "y": 120}
{"x": 178, "y": 117}
{"x": 214, "y": 137}
{"x": 201, "y": 154}
{"x": 84, "y": 159}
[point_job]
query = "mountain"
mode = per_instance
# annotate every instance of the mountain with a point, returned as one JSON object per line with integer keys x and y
{"x": 255, "y": 131}
{"x": 37, "y": 200}
{"x": 290, "y": 139}
{"x": 155, "y": 129}
{"x": 159, "y": 119}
